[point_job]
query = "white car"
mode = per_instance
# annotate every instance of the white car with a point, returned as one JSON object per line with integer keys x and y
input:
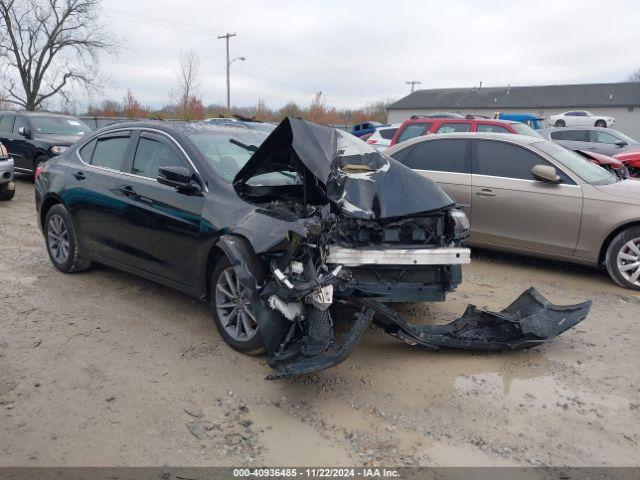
{"x": 581, "y": 117}
{"x": 381, "y": 138}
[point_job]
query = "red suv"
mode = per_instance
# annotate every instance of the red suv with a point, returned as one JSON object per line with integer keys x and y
{"x": 417, "y": 126}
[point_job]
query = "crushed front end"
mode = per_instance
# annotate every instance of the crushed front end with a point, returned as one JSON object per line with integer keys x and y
{"x": 368, "y": 232}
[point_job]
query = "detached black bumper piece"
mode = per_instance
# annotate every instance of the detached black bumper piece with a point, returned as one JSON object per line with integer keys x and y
{"x": 527, "y": 322}
{"x": 301, "y": 364}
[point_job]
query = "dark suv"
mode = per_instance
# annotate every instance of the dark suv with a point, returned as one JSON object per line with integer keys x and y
{"x": 33, "y": 137}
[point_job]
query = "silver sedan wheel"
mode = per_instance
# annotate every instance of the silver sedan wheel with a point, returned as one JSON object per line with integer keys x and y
{"x": 628, "y": 261}
{"x": 58, "y": 239}
{"x": 233, "y": 307}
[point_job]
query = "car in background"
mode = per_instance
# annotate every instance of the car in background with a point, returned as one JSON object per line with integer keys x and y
{"x": 605, "y": 161}
{"x": 32, "y": 138}
{"x": 418, "y": 126}
{"x": 534, "y": 121}
{"x": 381, "y": 138}
{"x": 528, "y": 195}
{"x": 601, "y": 140}
{"x": 7, "y": 182}
{"x": 360, "y": 129}
{"x": 581, "y": 117}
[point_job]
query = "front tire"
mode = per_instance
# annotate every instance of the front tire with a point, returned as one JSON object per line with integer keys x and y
{"x": 61, "y": 241}
{"x": 232, "y": 312}
{"x": 7, "y": 191}
{"x": 623, "y": 259}
{"x": 560, "y": 123}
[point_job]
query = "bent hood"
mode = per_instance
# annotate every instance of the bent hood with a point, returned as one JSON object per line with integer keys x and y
{"x": 362, "y": 181}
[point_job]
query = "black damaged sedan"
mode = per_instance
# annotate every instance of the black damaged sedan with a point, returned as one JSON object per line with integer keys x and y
{"x": 298, "y": 240}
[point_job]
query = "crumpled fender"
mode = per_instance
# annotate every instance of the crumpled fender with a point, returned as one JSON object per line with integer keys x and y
{"x": 252, "y": 272}
{"x": 529, "y": 321}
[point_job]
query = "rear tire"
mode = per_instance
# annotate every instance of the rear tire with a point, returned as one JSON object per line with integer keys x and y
{"x": 601, "y": 123}
{"x": 623, "y": 259}
{"x": 231, "y": 311}
{"x": 61, "y": 241}
{"x": 7, "y": 191}
{"x": 560, "y": 123}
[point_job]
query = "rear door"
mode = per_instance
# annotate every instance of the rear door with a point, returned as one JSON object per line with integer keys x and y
{"x": 160, "y": 227}
{"x": 447, "y": 162}
{"x": 91, "y": 196}
{"x": 512, "y": 209}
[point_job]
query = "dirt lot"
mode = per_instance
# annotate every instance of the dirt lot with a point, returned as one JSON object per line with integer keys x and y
{"x": 103, "y": 368}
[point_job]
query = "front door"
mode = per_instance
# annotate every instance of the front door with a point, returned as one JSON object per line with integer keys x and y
{"x": 512, "y": 209}
{"x": 22, "y": 146}
{"x": 160, "y": 226}
{"x": 447, "y": 162}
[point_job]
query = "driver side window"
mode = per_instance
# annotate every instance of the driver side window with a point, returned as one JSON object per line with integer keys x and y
{"x": 153, "y": 153}
{"x": 501, "y": 159}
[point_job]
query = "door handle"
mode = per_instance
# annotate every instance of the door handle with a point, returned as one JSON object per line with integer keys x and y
{"x": 79, "y": 176}
{"x": 127, "y": 190}
{"x": 487, "y": 192}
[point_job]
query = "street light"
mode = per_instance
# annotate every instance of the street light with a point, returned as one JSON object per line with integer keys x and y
{"x": 229, "y": 62}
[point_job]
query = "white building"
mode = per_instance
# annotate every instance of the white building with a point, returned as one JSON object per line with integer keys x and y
{"x": 618, "y": 100}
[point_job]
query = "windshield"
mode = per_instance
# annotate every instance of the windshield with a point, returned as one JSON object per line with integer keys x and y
{"x": 225, "y": 157}
{"x": 59, "y": 126}
{"x": 589, "y": 172}
{"x": 524, "y": 129}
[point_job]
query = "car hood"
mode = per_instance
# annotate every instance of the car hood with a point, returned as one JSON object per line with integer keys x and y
{"x": 625, "y": 190}
{"x": 602, "y": 159}
{"x": 362, "y": 181}
{"x": 629, "y": 157}
{"x": 58, "y": 139}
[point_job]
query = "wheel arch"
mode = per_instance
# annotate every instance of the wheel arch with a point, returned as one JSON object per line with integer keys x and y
{"x": 611, "y": 236}
{"x": 49, "y": 201}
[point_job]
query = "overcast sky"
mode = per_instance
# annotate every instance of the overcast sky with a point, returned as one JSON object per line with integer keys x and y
{"x": 358, "y": 52}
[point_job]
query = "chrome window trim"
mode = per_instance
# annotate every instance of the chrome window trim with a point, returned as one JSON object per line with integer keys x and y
{"x": 130, "y": 129}
{"x": 525, "y": 180}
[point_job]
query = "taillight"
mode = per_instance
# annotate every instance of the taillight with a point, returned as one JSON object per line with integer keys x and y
{"x": 39, "y": 170}
{"x": 372, "y": 140}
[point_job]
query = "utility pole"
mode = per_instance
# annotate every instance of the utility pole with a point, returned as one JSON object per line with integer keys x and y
{"x": 227, "y": 37}
{"x": 413, "y": 83}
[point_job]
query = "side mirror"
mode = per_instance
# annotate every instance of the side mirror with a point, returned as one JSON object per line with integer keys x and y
{"x": 24, "y": 132}
{"x": 621, "y": 143}
{"x": 179, "y": 178}
{"x": 546, "y": 173}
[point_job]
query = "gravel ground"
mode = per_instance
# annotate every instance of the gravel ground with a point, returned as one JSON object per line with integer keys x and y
{"x": 103, "y": 368}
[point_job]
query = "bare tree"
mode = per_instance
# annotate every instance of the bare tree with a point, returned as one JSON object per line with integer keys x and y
{"x": 634, "y": 76}
{"x": 48, "y": 45}
{"x": 188, "y": 76}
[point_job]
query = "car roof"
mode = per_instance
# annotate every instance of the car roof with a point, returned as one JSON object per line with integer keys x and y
{"x": 35, "y": 114}
{"x": 458, "y": 120}
{"x": 174, "y": 126}
{"x": 580, "y": 127}
{"x": 507, "y": 137}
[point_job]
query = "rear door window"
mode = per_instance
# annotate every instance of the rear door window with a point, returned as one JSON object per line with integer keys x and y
{"x": 487, "y": 127}
{"x": 19, "y": 122}
{"x": 414, "y": 130}
{"x": 109, "y": 152}
{"x": 571, "y": 135}
{"x": 152, "y": 153}
{"x": 6, "y": 123}
{"x": 440, "y": 156}
{"x": 501, "y": 159}
{"x": 454, "y": 127}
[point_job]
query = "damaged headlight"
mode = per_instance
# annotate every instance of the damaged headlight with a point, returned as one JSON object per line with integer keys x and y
{"x": 461, "y": 225}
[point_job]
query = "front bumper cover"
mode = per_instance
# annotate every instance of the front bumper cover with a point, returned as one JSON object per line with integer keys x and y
{"x": 529, "y": 321}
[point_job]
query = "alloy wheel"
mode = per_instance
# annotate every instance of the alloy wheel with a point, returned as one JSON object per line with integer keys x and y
{"x": 628, "y": 261}
{"x": 58, "y": 239}
{"x": 233, "y": 307}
